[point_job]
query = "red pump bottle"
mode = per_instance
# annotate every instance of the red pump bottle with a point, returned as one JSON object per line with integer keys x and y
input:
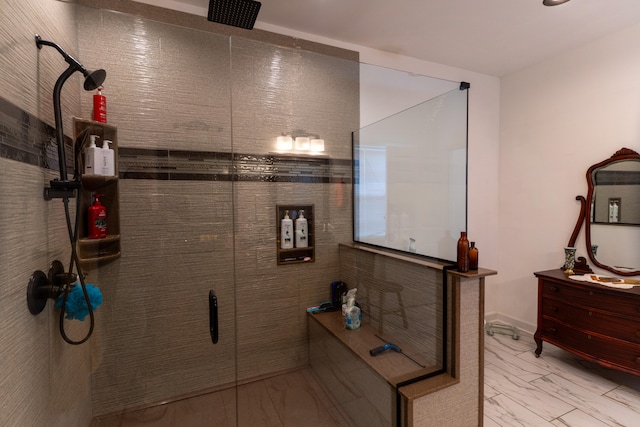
{"x": 97, "y": 223}
{"x": 100, "y": 107}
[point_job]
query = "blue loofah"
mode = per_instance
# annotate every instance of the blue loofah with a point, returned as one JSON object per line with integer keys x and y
{"x": 76, "y": 306}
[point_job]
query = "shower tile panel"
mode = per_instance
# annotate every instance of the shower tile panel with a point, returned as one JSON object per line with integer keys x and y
{"x": 137, "y": 163}
{"x": 403, "y": 300}
{"x": 36, "y": 363}
{"x": 27, "y": 139}
{"x": 167, "y": 86}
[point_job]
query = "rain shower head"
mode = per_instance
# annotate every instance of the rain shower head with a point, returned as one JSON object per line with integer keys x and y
{"x": 63, "y": 188}
{"x": 237, "y": 13}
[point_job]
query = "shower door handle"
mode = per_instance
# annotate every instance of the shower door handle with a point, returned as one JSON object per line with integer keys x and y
{"x": 213, "y": 316}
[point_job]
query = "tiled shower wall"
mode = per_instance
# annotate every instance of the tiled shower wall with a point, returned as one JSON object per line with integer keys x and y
{"x": 43, "y": 381}
{"x": 197, "y": 116}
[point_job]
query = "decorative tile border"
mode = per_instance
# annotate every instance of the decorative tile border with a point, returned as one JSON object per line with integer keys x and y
{"x": 25, "y": 138}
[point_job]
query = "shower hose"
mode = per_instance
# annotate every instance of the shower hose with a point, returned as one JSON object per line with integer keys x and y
{"x": 73, "y": 238}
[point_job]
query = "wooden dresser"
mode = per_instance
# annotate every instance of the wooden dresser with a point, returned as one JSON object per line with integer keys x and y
{"x": 598, "y": 323}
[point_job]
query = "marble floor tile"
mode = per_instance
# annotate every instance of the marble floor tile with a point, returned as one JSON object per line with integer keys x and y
{"x": 577, "y": 418}
{"x": 506, "y": 412}
{"x": 601, "y": 407}
{"x": 596, "y": 396}
{"x": 526, "y": 394}
{"x": 513, "y": 364}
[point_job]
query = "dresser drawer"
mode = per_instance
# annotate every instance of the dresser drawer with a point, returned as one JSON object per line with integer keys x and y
{"x": 593, "y": 320}
{"x": 605, "y": 350}
{"x": 590, "y": 296}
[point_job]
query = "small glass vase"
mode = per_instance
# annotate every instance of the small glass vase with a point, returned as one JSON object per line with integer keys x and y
{"x": 569, "y": 257}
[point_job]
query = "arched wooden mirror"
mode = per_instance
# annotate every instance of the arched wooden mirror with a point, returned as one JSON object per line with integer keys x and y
{"x": 612, "y": 214}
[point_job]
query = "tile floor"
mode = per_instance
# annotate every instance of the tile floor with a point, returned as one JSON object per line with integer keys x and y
{"x": 557, "y": 389}
{"x": 292, "y": 399}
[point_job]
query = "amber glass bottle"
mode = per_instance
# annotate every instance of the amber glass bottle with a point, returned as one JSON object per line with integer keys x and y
{"x": 473, "y": 257}
{"x": 463, "y": 252}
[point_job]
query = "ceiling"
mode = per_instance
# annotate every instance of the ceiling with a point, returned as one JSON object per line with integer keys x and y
{"x": 494, "y": 37}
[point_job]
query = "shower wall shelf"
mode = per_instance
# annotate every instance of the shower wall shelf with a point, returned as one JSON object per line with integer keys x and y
{"x": 92, "y": 252}
{"x": 296, "y": 255}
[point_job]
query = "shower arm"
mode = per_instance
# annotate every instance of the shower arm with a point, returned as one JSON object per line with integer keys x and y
{"x": 62, "y": 188}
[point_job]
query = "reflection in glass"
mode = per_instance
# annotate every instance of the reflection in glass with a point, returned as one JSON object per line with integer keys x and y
{"x": 410, "y": 178}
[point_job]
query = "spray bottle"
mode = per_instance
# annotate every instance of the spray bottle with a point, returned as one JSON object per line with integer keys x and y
{"x": 352, "y": 314}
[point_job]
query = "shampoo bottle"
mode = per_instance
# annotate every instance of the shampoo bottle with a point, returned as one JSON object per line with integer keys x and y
{"x": 286, "y": 232}
{"x": 301, "y": 231}
{"x": 100, "y": 107}
{"x": 97, "y": 220}
{"x": 92, "y": 157}
{"x": 108, "y": 164}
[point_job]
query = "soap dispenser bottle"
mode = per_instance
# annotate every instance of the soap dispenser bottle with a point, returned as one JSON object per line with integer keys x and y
{"x": 301, "y": 231}
{"x": 108, "y": 159}
{"x": 97, "y": 219}
{"x": 100, "y": 107}
{"x": 92, "y": 157}
{"x": 286, "y": 232}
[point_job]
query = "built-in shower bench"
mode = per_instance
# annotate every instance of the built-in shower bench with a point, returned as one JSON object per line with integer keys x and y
{"x": 364, "y": 386}
{"x": 369, "y": 389}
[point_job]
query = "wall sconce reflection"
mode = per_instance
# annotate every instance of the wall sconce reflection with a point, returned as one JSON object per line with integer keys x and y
{"x": 284, "y": 143}
{"x": 317, "y": 145}
{"x": 299, "y": 144}
{"x": 302, "y": 143}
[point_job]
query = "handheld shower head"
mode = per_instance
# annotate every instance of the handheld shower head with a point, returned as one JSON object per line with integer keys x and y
{"x": 92, "y": 81}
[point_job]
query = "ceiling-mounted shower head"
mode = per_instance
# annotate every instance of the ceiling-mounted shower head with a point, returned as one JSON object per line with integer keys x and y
{"x": 237, "y": 13}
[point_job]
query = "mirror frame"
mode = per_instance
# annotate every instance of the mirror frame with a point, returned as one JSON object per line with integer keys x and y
{"x": 620, "y": 155}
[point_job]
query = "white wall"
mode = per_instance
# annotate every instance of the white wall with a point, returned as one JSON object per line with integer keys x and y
{"x": 557, "y": 119}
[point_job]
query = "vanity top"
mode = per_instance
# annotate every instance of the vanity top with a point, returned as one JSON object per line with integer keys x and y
{"x": 558, "y": 274}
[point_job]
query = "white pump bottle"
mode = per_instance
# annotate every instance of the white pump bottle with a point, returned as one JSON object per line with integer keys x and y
{"x": 108, "y": 159}
{"x": 302, "y": 238}
{"x": 92, "y": 157}
{"x": 286, "y": 232}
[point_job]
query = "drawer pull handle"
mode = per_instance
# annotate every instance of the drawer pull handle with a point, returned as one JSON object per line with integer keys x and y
{"x": 590, "y": 292}
{"x": 588, "y": 337}
{"x": 555, "y": 289}
{"x": 552, "y": 330}
{"x": 554, "y": 309}
{"x": 590, "y": 313}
